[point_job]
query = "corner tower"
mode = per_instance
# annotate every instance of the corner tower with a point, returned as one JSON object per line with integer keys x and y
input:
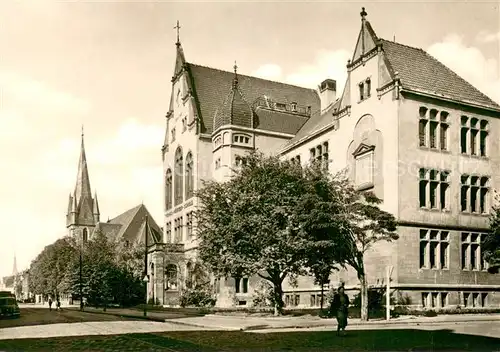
{"x": 83, "y": 210}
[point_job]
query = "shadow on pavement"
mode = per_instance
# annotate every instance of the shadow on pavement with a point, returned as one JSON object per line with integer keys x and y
{"x": 358, "y": 340}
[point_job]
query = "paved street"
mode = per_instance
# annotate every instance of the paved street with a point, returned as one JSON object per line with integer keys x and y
{"x": 38, "y": 316}
{"x": 154, "y": 336}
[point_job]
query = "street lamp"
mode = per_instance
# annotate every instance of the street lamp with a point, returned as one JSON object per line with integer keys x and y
{"x": 146, "y": 279}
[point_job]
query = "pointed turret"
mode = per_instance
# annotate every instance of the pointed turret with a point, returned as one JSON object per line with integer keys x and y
{"x": 367, "y": 39}
{"x": 96, "y": 208}
{"x": 235, "y": 110}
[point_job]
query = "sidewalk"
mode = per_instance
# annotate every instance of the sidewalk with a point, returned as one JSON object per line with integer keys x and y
{"x": 243, "y": 322}
{"x": 261, "y": 323}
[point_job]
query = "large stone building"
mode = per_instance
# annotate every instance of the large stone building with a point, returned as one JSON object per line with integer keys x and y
{"x": 409, "y": 129}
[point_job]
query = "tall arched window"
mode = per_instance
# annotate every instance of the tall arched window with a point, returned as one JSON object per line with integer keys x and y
{"x": 85, "y": 236}
{"x": 189, "y": 175}
{"x": 178, "y": 176}
{"x": 168, "y": 189}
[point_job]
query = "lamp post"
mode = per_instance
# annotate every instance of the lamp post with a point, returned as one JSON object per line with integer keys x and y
{"x": 153, "y": 280}
{"x": 146, "y": 278}
{"x": 81, "y": 290}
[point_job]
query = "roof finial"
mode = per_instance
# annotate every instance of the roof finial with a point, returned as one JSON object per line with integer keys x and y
{"x": 177, "y": 27}
{"x": 235, "y": 79}
{"x": 82, "y": 130}
{"x": 363, "y": 14}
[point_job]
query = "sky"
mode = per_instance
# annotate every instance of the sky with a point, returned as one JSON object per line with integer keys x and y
{"x": 108, "y": 66}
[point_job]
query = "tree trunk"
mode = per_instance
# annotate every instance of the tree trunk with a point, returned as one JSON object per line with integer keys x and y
{"x": 322, "y": 296}
{"x": 278, "y": 299}
{"x": 364, "y": 297}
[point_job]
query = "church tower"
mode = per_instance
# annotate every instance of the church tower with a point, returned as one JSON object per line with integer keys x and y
{"x": 83, "y": 210}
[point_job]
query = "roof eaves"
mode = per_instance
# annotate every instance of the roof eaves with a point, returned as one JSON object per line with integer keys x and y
{"x": 445, "y": 98}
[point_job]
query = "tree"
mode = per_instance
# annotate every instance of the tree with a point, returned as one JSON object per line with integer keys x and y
{"x": 258, "y": 222}
{"x": 50, "y": 267}
{"x": 491, "y": 245}
{"x": 367, "y": 224}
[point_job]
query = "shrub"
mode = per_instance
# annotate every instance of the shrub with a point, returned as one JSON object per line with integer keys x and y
{"x": 376, "y": 299}
{"x": 199, "y": 297}
{"x": 263, "y": 295}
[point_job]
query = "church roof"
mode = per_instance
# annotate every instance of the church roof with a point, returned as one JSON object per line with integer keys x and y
{"x": 421, "y": 72}
{"x": 129, "y": 226}
{"x": 210, "y": 87}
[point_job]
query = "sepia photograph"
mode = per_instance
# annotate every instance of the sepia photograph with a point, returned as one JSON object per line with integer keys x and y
{"x": 249, "y": 175}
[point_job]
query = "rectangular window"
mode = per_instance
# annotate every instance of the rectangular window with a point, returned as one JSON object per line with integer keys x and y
{"x": 297, "y": 300}
{"x": 313, "y": 300}
{"x": 237, "y": 281}
{"x": 472, "y": 256}
{"x": 474, "y": 136}
{"x": 433, "y": 132}
{"x": 434, "y": 249}
{"x": 444, "y": 299}
{"x": 368, "y": 85}
{"x": 361, "y": 92}
{"x": 474, "y": 193}
{"x": 433, "y": 189}
{"x": 425, "y": 299}
{"x": 245, "y": 284}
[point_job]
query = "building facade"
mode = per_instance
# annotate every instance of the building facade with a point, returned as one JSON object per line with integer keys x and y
{"x": 409, "y": 129}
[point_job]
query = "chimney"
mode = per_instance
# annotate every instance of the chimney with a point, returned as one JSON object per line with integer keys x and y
{"x": 327, "y": 93}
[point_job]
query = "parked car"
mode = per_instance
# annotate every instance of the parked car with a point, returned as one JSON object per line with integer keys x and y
{"x": 8, "y": 306}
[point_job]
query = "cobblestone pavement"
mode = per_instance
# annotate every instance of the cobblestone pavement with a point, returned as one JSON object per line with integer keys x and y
{"x": 38, "y": 316}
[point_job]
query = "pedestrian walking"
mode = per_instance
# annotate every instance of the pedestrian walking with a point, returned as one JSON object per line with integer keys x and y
{"x": 50, "y": 303}
{"x": 340, "y": 306}
{"x": 58, "y": 304}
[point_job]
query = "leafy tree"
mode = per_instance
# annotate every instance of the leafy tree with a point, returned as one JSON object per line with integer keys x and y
{"x": 258, "y": 222}
{"x": 367, "y": 224}
{"x": 491, "y": 245}
{"x": 49, "y": 269}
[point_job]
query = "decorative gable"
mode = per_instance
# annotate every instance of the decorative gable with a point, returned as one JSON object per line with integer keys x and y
{"x": 363, "y": 149}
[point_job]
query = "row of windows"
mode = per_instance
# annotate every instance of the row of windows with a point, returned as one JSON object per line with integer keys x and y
{"x": 175, "y": 195}
{"x": 435, "y": 250}
{"x": 320, "y": 154}
{"x": 237, "y": 138}
{"x": 434, "y": 191}
{"x": 178, "y": 228}
{"x": 365, "y": 88}
{"x": 441, "y": 299}
{"x": 241, "y": 285}
{"x": 434, "y": 127}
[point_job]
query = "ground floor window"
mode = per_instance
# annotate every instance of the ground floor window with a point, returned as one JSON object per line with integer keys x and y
{"x": 435, "y": 299}
{"x": 475, "y": 299}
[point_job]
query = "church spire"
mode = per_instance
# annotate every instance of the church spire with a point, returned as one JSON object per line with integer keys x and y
{"x": 178, "y": 42}
{"x": 82, "y": 188}
{"x": 14, "y": 268}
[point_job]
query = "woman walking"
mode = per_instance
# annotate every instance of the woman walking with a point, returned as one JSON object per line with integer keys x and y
{"x": 340, "y": 305}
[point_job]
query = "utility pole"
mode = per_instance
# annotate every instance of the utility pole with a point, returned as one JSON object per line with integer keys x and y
{"x": 146, "y": 264}
{"x": 388, "y": 293}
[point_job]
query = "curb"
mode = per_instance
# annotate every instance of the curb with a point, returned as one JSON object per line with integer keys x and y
{"x": 140, "y": 317}
{"x": 332, "y": 325}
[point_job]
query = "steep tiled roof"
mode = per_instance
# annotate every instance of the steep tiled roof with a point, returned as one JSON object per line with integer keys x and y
{"x": 278, "y": 121}
{"x": 130, "y": 226}
{"x": 235, "y": 110}
{"x": 211, "y": 86}
{"x": 315, "y": 123}
{"x": 421, "y": 72}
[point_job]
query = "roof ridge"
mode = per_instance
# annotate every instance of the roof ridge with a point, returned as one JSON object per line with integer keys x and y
{"x": 254, "y": 77}
{"x": 398, "y": 43}
{"x": 449, "y": 70}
